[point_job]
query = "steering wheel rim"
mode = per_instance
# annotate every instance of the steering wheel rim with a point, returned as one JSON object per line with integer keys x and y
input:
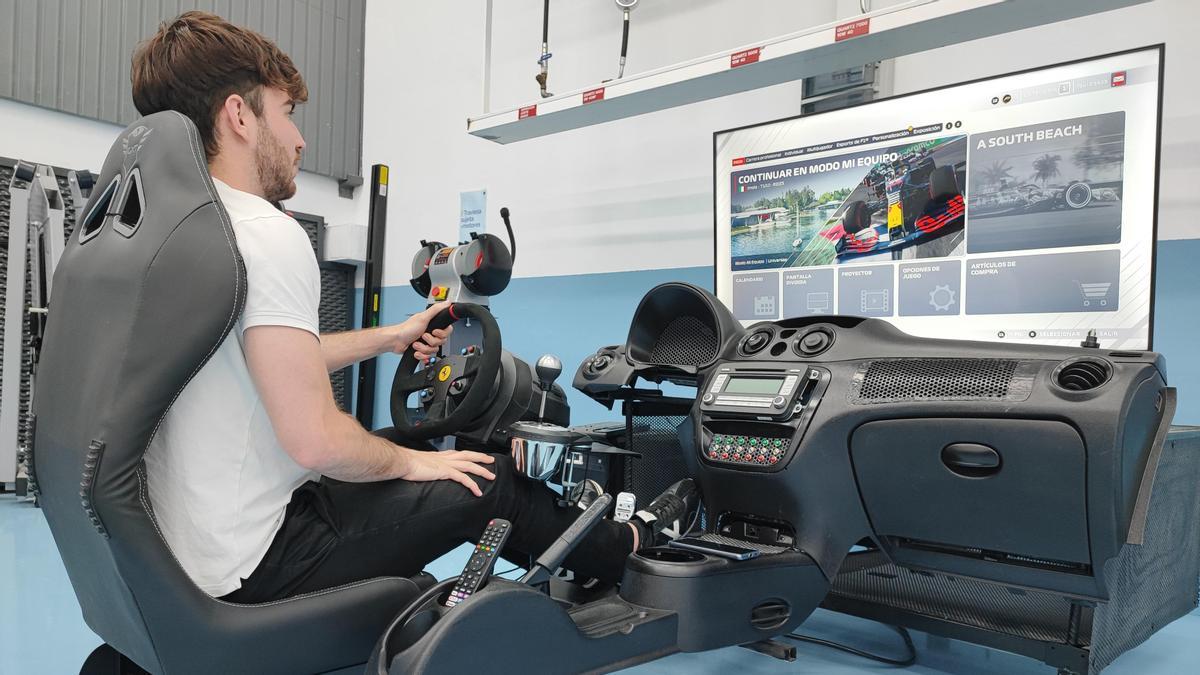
{"x": 481, "y": 370}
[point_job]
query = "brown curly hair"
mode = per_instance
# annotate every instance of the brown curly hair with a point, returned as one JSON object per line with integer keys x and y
{"x": 195, "y": 62}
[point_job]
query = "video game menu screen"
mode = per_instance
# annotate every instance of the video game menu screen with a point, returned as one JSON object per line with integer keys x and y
{"x": 1018, "y": 208}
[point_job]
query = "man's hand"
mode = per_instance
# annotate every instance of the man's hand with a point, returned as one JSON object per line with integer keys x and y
{"x": 413, "y": 333}
{"x": 448, "y": 465}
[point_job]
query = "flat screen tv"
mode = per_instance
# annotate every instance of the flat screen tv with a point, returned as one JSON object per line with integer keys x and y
{"x": 1019, "y": 207}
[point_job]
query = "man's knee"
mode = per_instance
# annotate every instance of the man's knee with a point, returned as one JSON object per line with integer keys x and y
{"x": 502, "y": 468}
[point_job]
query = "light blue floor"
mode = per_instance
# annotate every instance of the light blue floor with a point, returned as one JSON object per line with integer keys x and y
{"x": 41, "y": 631}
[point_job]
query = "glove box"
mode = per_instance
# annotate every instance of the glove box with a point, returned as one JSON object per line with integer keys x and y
{"x": 1013, "y": 486}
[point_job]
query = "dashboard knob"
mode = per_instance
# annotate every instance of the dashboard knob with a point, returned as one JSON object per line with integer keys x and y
{"x": 814, "y": 342}
{"x": 708, "y": 398}
{"x": 755, "y": 342}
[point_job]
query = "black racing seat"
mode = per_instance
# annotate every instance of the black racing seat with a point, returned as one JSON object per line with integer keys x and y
{"x": 149, "y": 285}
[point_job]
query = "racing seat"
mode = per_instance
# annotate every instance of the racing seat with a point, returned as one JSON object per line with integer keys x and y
{"x": 149, "y": 285}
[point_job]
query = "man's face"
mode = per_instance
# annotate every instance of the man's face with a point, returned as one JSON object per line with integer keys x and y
{"x": 277, "y": 153}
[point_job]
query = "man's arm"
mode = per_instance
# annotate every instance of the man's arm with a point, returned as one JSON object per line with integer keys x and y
{"x": 342, "y": 349}
{"x": 288, "y": 369}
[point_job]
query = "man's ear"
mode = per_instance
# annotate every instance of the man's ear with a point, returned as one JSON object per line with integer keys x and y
{"x": 232, "y": 117}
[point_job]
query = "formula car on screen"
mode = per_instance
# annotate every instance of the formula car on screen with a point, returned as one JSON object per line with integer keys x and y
{"x": 919, "y": 200}
{"x": 1031, "y": 198}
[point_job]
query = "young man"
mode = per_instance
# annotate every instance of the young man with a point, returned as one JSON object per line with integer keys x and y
{"x": 262, "y": 488}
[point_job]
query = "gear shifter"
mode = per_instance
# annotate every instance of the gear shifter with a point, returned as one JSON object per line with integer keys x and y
{"x": 548, "y": 561}
{"x": 548, "y": 369}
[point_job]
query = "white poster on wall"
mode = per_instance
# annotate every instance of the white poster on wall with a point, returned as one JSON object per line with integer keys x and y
{"x": 472, "y": 214}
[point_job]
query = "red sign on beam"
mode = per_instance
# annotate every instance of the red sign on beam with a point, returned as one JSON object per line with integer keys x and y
{"x": 593, "y": 95}
{"x": 852, "y": 30}
{"x": 527, "y": 111}
{"x": 745, "y": 57}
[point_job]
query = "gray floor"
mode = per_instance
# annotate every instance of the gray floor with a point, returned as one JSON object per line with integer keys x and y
{"x": 41, "y": 630}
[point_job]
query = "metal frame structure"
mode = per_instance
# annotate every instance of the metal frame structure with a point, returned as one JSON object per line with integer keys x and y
{"x": 884, "y": 33}
{"x": 36, "y": 236}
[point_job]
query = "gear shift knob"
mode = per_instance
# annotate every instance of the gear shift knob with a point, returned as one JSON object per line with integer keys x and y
{"x": 548, "y": 369}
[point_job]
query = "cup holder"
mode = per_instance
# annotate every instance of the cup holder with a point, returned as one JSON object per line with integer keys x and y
{"x": 664, "y": 554}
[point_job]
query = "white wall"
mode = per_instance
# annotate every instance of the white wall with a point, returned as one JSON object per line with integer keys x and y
{"x": 48, "y": 137}
{"x": 627, "y": 195}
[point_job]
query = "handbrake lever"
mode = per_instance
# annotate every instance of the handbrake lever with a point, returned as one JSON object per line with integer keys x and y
{"x": 551, "y": 559}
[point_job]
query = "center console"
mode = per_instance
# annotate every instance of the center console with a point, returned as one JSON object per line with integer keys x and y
{"x": 754, "y": 414}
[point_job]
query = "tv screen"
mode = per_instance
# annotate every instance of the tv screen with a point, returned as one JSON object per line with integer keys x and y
{"x": 1019, "y": 207}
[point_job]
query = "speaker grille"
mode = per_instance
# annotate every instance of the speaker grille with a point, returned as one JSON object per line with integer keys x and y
{"x": 336, "y": 311}
{"x": 895, "y": 380}
{"x": 687, "y": 341}
{"x": 656, "y": 439}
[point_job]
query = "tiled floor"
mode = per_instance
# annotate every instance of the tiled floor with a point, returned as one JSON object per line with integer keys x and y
{"x": 41, "y": 631}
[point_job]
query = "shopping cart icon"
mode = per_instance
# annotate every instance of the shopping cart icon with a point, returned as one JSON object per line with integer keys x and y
{"x": 1095, "y": 293}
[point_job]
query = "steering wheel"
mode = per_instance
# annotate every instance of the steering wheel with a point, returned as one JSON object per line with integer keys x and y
{"x": 456, "y": 390}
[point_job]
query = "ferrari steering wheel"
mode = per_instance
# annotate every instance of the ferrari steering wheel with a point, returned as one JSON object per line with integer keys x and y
{"x": 456, "y": 389}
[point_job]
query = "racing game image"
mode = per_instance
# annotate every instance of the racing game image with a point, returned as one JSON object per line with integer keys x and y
{"x": 910, "y": 207}
{"x": 1047, "y": 185}
{"x": 903, "y": 202}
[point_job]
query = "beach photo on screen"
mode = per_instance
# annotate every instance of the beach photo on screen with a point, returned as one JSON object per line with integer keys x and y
{"x": 1047, "y": 185}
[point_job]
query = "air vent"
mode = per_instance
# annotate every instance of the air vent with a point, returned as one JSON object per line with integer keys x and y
{"x": 1083, "y": 374}
{"x": 755, "y": 342}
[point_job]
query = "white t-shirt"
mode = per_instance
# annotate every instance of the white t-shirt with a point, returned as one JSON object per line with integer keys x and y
{"x": 219, "y": 480}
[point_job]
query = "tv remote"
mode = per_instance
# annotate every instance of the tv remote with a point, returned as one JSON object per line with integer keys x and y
{"x": 479, "y": 567}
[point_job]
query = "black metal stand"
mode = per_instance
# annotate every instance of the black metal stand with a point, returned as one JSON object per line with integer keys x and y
{"x": 372, "y": 290}
{"x": 773, "y": 648}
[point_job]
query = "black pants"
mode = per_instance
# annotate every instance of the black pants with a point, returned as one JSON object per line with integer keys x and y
{"x": 335, "y": 533}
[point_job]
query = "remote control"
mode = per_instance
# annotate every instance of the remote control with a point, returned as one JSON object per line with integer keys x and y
{"x": 479, "y": 567}
{"x": 626, "y": 507}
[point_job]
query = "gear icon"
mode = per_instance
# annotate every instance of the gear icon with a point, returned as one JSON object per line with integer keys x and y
{"x": 941, "y": 298}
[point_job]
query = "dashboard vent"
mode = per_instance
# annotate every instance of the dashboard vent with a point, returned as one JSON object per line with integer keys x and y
{"x": 899, "y": 380}
{"x": 1083, "y": 375}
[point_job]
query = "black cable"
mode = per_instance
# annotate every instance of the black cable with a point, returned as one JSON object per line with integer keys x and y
{"x": 624, "y": 35}
{"x": 900, "y": 663}
{"x": 546, "y": 23}
{"x": 512, "y": 241}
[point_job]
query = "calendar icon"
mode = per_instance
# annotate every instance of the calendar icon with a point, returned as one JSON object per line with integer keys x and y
{"x": 764, "y": 305}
